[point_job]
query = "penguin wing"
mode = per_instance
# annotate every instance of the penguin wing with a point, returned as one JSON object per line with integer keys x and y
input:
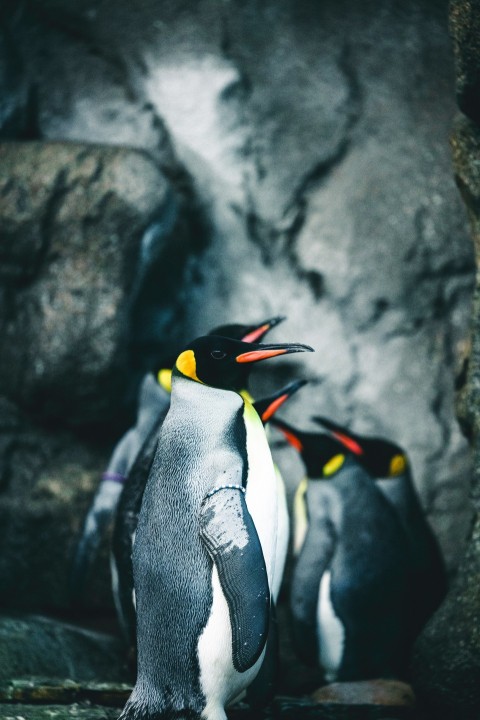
{"x": 231, "y": 539}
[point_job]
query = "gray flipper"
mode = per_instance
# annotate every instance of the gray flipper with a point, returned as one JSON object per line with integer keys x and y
{"x": 231, "y": 539}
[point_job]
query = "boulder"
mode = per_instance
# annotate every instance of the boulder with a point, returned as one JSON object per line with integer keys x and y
{"x": 72, "y": 268}
{"x": 38, "y": 646}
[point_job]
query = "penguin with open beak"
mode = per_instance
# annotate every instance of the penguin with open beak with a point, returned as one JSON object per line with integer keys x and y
{"x": 137, "y": 445}
{"x": 204, "y": 555}
{"x": 351, "y": 581}
{"x": 388, "y": 463}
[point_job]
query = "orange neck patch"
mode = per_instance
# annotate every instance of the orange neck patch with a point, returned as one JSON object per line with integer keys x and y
{"x": 187, "y": 365}
{"x": 273, "y": 407}
{"x": 292, "y": 439}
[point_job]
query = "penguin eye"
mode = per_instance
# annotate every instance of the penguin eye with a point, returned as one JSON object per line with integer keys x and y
{"x": 218, "y": 354}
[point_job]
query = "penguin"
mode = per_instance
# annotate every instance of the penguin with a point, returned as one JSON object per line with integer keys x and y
{"x": 131, "y": 497}
{"x": 153, "y": 403}
{"x": 129, "y": 507}
{"x": 204, "y": 551}
{"x": 388, "y": 463}
{"x": 351, "y": 581}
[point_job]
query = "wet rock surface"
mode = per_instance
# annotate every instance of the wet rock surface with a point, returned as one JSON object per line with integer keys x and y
{"x": 38, "y": 646}
{"x": 446, "y": 665}
{"x": 72, "y": 258}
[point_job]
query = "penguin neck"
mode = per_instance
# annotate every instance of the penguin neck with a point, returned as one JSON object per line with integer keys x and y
{"x": 401, "y": 493}
{"x": 203, "y": 401}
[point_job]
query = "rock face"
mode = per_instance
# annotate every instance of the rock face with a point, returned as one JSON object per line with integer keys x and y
{"x": 72, "y": 256}
{"x": 316, "y": 137}
{"x": 38, "y": 646}
{"x": 324, "y": 168}
{"x": 446, "y": 663}
{"x": 87, "y": 234}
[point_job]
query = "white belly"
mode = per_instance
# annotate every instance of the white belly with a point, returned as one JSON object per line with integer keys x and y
{"x": 220, "y": 682}
{"x": 330, "y": 631}
{"x": 262, "y": 494}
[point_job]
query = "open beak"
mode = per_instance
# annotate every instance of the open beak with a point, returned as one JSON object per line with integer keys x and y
{"x": 257, "y": 333}
{"x": 340, "y": 434}
{"x": 263, "y": 352}
{"x": 267, "y": 407}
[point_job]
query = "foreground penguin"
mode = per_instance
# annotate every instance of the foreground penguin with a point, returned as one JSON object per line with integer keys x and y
{"x": 389, "y": 465}
{"x": 137, "y": 446}
{"x": 351, "y": 581}
{"x": 205, "y": 548}
{"x": 129, "y": 507}
{"x": 131, "y": 497}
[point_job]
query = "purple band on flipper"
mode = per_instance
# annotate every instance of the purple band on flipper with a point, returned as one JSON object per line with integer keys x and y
{"x": 114, "y": 477}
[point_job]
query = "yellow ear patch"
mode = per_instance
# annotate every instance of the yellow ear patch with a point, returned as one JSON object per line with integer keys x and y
{"x": 187, "y": 365}
{"x": 334, "y": 464}
{"x": 164, "y": 378}
{"x": 398, "y": 465}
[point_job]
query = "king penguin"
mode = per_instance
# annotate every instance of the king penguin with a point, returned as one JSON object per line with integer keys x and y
{"x": 132, "y": 454}
{"x": 388, "y": 463}
{"x": 130, "y": 500}
{"x": 351, "y": 581}
{"x": 205, "y": 547}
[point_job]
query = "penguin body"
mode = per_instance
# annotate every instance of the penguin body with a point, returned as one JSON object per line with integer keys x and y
{"x": 131, "y": 497}
{"x": 351, "y": 580}
{"x": 388, "y": 463}
{"x": 153, "y": 403}
{"x": 205, "y": 548}
{"x": 133, "y": 453}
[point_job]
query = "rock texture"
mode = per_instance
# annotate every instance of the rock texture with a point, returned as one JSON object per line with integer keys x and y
{"x": 446, "y": 662}
{"x": 317, "y": 137}
{"x": 86, "y": 246}
{"x": 38, "y": 646}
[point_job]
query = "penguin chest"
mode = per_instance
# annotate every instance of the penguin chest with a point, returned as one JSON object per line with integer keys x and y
{"x": 262, "y": 492}
{"x": 330, "y": 630}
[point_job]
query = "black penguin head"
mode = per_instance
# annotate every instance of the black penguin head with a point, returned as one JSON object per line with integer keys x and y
{"x": 267, "y": 407}
{"x": 248, "y": 333}
{"x": 322, "y": 454}
{"x": 380, "y": 458}
{"x": 225, "y": 363}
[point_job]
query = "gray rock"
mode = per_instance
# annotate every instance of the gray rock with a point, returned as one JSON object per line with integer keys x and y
{"x": 446, "y": 660}
{"x": 16, "y": 96}
{"x": 83, "y": 227}
{"x": 465, "y": 29}
{"x": 38, "y": 646}
{"x": 47, "y": 480}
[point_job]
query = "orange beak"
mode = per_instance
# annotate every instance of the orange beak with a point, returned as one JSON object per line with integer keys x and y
{"x": 257, "y": 333}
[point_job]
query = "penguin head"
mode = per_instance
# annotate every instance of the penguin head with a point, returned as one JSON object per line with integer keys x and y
{"x": 268, "y": 406}
{"x": 225, "y": 363}
{"x": 246, "y": 333}
{"x": 381, "y": 458}
{"x": 322, "y": 454}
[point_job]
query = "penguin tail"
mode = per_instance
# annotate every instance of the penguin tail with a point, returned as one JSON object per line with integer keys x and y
{"x": 141, "y": 711}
